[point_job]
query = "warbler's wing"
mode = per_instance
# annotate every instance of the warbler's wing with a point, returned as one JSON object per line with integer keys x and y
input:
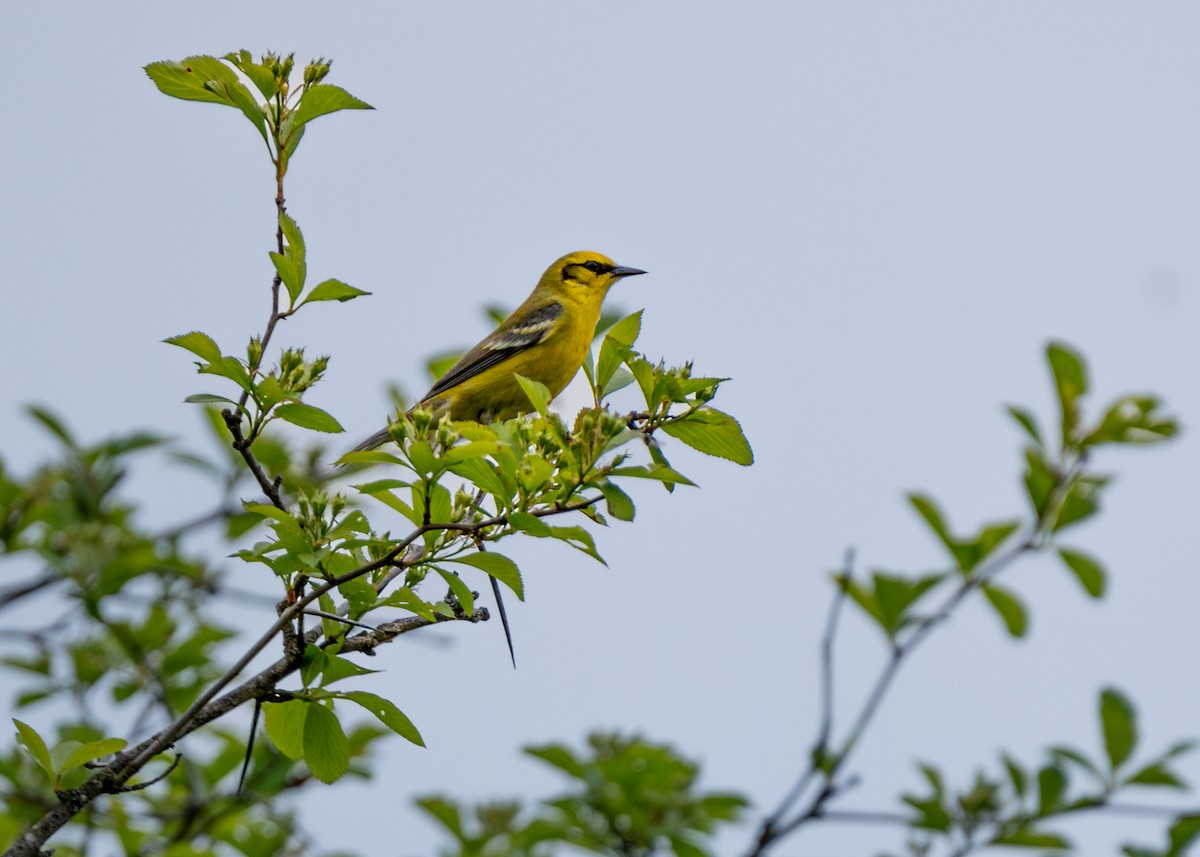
{"x": 518, "y": 333}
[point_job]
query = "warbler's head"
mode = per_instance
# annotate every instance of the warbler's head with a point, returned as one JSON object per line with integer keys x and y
{"x": 587, "y": 272}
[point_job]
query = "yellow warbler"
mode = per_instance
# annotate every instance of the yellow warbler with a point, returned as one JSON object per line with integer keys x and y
{"x": 544, "y": 339}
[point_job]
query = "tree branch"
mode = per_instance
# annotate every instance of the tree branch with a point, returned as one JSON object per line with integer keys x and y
{"x": 12, "y": 594}
{"x": 828, "y": 766}
{"x": 270, "y": 487}
{"x": 208, "y": 706}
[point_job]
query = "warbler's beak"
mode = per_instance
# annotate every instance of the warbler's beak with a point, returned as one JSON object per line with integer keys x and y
{"x": 622, "y": 271}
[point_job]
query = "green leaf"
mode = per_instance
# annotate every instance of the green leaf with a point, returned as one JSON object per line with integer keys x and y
{"x": 294, "y": 272}
{"x": 1010, "y": 608}
{"x": 662, "y": 474}
{"x": 28, "y": 738}
{"x": 931, "y": 815}
{"x": 261, "y": 76}
{"x": 482, "y": 475}
{"x": 712, "y": 432}
{"x": 1133, "y": 419}
{"x": 284, "y": 722}
{"x": 1025, "y": 419}
{"x": 291, "y": 273}
{"x": 531, "y": 524}
{"x": 1026, "y": 838}
{"x": 336, "y": 667}
{"x": 561, "y": 757}
{"x": 1183, "y": 833}
{"x": 359, "y": 593}
{"x": 462, "y": 592}
{"x": 241, "y": 98}
{"x": 538, "y": 393}
{"x": 1157, "y": 774}
{"x": 309, "y": 417}
{"x": 1119, "y": 723}
{"x": 200, "y": 344}
{"x": 231, "y": 368}
{"x": 52, "y": 423}
{"x": 1052, "y": 784}
{"x": 278, "y": 515}
{"x": 293, "y": 238}
{"x": 91, "y": 751}
{"x": 647, "y": 379}
{"x": 440, "y": 364}
{"x": 208, "y": 399}
{"x": 188, "y": 79}
{"x": 969, "y": 553}
{"x": 389, "y": 715}
{"x": 1016, "y": 776}
{"x": 615, "y": 348}
{"x": 326, "y": 750}
{"x": 1040, "y": 480}
{"x": 578, "y": 538}
{"x": 498, "y": 566}
{"x": 929, "y": 510}
{"x": 1081, "y": 501}
{"x": 619, "y": 504}
{"x": 60, "y": 753}
{"x": 1061, "y": 753}
{"x": 445, "y": 812}
{"x": 333, "y": 290}
{"x": 472, "y": 449}
{"x": 205, "y": 78}
{"x": 1070, "y": 381}
{"x": 620, "y": 379}
{"x": 894, "y": 595}
{"x": 405, "y": 599}
{"x": 1087, "y": 569}
{"x": 626, "y": 330}
{"x": 321, "y": 99}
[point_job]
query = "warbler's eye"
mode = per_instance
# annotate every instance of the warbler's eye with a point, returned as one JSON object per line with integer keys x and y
{"x": 593, "y": 266}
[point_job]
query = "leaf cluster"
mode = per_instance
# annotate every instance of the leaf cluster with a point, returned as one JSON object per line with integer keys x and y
{"x": 129, "y": 639}
{"x": 628, "y": 797}
{"x": 1062, "y": 492}
{"x": 1015, "y": 806}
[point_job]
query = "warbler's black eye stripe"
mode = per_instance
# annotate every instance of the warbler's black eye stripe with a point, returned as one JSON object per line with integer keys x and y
{"x": 592, "y": 265}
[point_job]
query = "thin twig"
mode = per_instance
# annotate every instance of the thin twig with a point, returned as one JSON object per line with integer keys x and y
{"x": 774, "y": 827}
{"x": 270, "y": 487}
{"x": 218, "y": 514}
{"x": 137, "y": 788}
{"x": 503, "y": 618}
{"x": 336, "y": 618}
{"x": 15, "y": 593}
{"x": 820, "y": 748}
{"x": 249, "y": 746}
{"x": 276, "y": 281}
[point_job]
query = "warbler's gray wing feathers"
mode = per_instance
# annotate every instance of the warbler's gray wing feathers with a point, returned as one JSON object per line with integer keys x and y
{"x": 512, "y": 337}
{"x": 378, "y": 439}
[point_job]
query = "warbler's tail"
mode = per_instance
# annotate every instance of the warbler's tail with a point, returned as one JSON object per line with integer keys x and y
{"x": 378, "y": 439}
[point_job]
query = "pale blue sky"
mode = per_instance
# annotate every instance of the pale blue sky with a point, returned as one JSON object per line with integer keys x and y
{"x": 870, "y": 215}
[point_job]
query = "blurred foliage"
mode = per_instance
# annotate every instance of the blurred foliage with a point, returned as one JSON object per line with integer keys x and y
{"x": 628, "y": 798}
{"x": 1016, "y": 806}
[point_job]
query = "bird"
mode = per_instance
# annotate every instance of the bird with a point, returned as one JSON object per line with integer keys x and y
{"x": 544, "y": 339}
